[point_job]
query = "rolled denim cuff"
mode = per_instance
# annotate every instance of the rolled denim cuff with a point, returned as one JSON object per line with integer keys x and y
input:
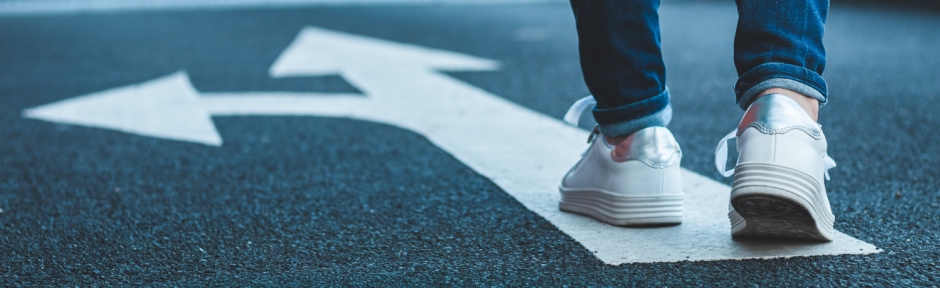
{"x": 784, "y": 83}
{"x": 627, "y": 119}
{"x": 780, "y": 75}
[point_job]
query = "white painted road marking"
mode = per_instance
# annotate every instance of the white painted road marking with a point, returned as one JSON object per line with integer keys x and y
{"x": 403, "y": 88}
{"x": 170, "y": 108}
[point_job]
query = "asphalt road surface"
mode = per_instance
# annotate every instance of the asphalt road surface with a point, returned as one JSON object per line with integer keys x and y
{"x": 319, "y": 201}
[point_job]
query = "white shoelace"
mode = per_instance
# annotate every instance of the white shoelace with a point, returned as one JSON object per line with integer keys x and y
{"x": 721, "y": 157}
{"x": 574, "y": 113}
{"x": 573, "y": 116}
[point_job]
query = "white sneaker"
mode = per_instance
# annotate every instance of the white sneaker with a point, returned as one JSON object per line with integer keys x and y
{"x": 636, "y": 183}
{"x": 778, "y": 188}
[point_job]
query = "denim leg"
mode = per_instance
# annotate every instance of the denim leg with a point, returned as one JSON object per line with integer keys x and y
{"x": 622, "y": 64}
{"x": 778, "y": 44}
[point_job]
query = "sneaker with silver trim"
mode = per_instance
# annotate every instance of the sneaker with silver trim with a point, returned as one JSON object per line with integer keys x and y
{"x": 779, "y": 189}
{"x": 635, "y": 183}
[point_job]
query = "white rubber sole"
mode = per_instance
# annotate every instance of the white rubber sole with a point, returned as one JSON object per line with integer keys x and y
{"x": 771, "y": 201}
{"x": 623, "y": 210}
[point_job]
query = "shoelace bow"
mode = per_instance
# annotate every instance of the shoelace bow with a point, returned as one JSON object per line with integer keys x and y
{"x": 573, "y": 116}
{"x": 574, "y": 113}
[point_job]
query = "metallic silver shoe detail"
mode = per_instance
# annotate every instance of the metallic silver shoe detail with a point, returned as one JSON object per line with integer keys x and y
{"x": 787, "y": 116}
{"x": 654, "y": 146}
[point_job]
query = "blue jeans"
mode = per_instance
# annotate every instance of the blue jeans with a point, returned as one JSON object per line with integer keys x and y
{"x": 778, "y": 44}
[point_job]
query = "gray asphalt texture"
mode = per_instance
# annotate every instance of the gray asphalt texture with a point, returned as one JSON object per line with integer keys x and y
{"x": 307, "y": 201}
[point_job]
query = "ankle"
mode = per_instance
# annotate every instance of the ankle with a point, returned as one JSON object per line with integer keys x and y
{"x": 809, "y": 104}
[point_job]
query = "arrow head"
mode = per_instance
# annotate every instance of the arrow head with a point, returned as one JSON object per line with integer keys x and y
{"x": 318, "y": 51}
{"x": 166, "y": 107}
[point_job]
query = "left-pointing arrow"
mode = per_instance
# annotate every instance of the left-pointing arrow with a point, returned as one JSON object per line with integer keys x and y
{"x": 170, "y": 108}
{"x": 167, "y": 108}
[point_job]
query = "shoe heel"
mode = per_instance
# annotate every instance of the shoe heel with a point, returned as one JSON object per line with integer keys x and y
{"x": 777, "y": 202}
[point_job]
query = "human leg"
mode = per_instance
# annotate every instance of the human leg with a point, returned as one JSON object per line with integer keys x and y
{"x": 778, "y": 44}
{"x": 619, "y": 45}
{"x": 630, "y": 175}
{"x": 779, "y": 188}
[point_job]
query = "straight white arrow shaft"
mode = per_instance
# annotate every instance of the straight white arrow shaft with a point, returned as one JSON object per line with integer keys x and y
{"x": 470, "y": 123}
{"x": 282, "y": 103}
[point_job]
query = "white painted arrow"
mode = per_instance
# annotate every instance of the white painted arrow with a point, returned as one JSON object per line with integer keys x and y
{"x": 523, "y": 152}
{"x": 165, "y": 108}
{"x": 170, "y": 108}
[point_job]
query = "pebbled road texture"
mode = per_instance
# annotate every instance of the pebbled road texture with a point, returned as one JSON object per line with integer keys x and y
{"x": 305, "y": 201}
